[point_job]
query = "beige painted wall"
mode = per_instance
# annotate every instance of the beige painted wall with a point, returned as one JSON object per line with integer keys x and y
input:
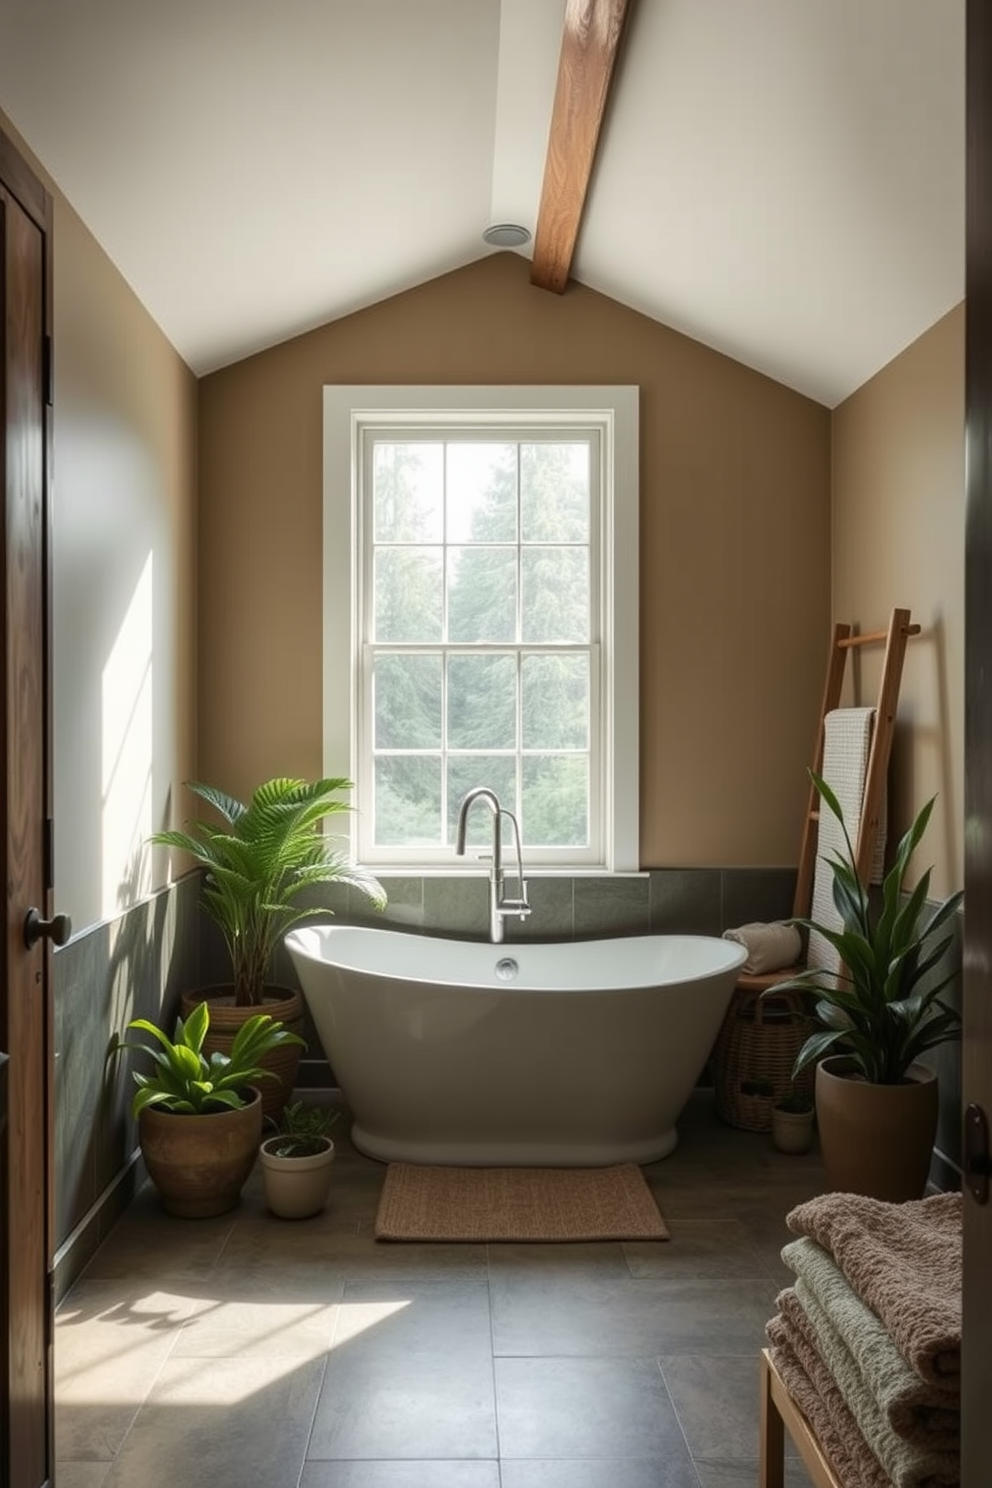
{"x": 124, "y": 593}
{"x": 735, "y": 568}
{"x": 898, "y": 513}
{"x": 734, "y": 562}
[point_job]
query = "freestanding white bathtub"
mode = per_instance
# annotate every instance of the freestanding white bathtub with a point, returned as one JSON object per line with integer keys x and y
{"x": 575, "y": 1054}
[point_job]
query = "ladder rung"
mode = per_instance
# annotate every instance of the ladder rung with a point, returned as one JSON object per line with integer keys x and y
{"x": 875, "y": 635}
{"x": 895, "y": 638}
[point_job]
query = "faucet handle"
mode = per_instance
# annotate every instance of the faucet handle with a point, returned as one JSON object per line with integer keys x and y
{"x": 519, "y": 907}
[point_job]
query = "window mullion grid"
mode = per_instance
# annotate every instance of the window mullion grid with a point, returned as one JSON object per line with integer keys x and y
{"x": 596, "y": 552}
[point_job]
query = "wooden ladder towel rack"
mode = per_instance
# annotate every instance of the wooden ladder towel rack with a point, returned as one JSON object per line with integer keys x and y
{"x": 755, "y": 1049}
{"x": 842, "y": 643}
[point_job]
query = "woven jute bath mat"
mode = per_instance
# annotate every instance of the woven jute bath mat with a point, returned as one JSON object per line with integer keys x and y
{"x": 491, "y": 1204}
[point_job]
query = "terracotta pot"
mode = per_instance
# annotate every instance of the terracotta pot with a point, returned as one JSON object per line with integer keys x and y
{"x": 199, "y": 1164}
{"x": 296, "y": 1187}
{"x": 876, "y": 1139}
{"x": 281, "y": 1003}
{"x": 792, "y": 1131}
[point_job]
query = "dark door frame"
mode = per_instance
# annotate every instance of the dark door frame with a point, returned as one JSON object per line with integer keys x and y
{"x": 976, "y": 1360}
{"x": 33, "y": 1441}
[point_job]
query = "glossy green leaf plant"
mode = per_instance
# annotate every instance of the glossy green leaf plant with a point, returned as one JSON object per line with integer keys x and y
{"x": 879, "y": 1010}
{"x": 184, "y": 1080}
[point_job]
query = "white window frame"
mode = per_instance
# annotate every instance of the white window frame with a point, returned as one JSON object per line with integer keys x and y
{"x": 349, "y": 412}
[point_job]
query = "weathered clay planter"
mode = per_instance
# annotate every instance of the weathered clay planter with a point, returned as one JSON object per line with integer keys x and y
{"x": 296, "y": 1187}
{"x": 876, "y": 1139}
{"x": 282, "y": 1004}
{"x": 199, "y": 1164}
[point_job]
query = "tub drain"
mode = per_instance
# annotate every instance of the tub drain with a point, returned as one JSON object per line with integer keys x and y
{"x": 507, "y": 969}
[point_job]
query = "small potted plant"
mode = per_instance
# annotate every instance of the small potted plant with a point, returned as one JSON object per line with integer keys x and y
{"x": 260, "y": 858}
{"x": 296, "y": 1161}
{"x": 792, "y": 1121}
{"x": 199, "y": 1117}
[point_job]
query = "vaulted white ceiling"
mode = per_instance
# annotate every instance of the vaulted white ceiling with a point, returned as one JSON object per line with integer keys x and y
{"x": 781, "y": 179}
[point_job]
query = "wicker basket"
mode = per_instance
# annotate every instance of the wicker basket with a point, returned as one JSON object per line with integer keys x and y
{"x": 753, "y": 1056}
{"x": 281, "y": 1003}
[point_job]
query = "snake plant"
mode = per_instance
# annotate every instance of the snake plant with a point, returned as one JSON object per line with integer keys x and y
{"x": 260, "y": 859}
{"x": 879, "y": 1010}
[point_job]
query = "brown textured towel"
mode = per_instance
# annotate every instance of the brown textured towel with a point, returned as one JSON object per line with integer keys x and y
{"x": 904, "y": 1261}
{"x": 923, "y": 1414}
{"x": 770, "y": 947}
{"x": 809, "y": 1383}
{"x": 907, "y": 1466}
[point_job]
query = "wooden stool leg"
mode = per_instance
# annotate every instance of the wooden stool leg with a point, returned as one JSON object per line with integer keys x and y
{"x": 771, "y": 1448}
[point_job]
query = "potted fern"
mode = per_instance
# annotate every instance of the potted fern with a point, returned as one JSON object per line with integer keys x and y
{"x": 261, "y": 857}
{"x": 876, "y": 1105}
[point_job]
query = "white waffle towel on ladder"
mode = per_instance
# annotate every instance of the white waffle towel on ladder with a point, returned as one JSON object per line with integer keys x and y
{"x": 846, "y": 746}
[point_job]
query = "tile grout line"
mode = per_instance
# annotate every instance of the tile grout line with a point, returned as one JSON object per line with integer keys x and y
{"x": 678, "y": 1418}
{"x": 304, "y": 1460}
{"x": 492, "y": 1363}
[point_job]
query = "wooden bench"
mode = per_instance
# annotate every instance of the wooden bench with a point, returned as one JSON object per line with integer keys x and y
{"x": 779, "y": 1414}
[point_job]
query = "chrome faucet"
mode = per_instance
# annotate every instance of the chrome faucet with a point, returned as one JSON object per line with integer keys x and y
{"x": 499, "y": 905}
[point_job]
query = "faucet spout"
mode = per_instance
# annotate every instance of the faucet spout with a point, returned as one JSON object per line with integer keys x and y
{"x": 499, "y": 905}
{"x": 480, "y": 793}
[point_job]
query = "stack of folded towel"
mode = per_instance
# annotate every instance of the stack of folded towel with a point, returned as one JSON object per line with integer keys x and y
{"x": 867, "y": 1340}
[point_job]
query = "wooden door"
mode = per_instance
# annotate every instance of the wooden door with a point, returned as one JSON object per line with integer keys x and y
{"x": 25, "y": 997}
{"x": 977, "y": 1071}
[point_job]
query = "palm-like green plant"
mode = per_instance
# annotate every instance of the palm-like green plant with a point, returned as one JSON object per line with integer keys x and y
{"x": 260, "y": 860}
{"x": 185, "y": 1081}
{"x": 876, "y": 1010}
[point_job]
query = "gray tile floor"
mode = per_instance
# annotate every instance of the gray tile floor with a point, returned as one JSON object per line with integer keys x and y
{"x": 248, "y": 1350}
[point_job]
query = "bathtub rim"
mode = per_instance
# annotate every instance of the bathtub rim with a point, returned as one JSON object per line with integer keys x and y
{"x": 734, "y": 956}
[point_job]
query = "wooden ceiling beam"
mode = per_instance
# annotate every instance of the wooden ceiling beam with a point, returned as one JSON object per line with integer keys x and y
{"x": 589, "y": 45}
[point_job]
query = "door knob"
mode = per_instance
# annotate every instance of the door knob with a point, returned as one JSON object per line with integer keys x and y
{"x": 57, "y": 929}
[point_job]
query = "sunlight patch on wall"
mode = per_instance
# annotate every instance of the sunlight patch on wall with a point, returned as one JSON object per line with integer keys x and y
{"x": 126, "y": 753}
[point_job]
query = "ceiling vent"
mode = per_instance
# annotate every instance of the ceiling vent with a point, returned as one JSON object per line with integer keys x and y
{"x": 506, "y": 235}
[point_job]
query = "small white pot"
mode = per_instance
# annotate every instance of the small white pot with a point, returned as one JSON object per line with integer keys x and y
{"x": 792, "y": 1131}
{"x": 296, "y": 1187}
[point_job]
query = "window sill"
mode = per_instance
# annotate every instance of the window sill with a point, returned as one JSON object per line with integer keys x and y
{"x": 475, "y": 869}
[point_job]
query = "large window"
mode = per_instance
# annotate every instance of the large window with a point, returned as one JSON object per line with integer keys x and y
{"x": 491, "y": 643}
